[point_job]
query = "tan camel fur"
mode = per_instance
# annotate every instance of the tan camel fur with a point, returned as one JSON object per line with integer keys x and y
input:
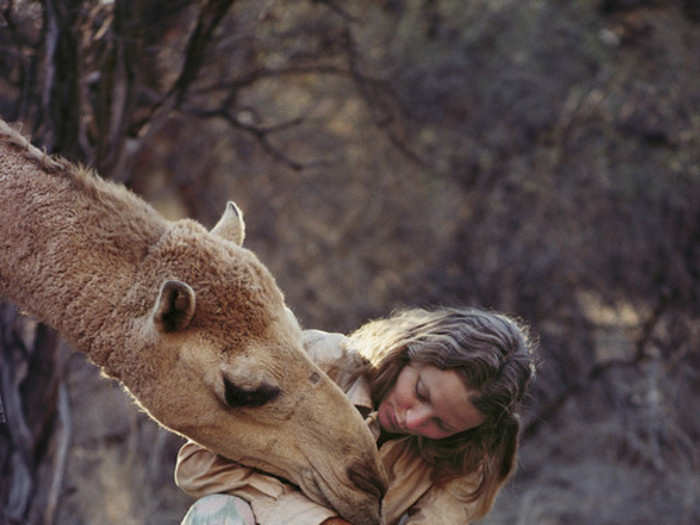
{"x": 191, "y": 323}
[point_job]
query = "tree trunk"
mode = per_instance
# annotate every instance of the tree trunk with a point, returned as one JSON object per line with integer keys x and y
{"x": 29, "y": 380}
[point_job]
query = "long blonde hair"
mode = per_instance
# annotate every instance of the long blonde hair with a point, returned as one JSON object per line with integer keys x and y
{"x": 493, "y": 354}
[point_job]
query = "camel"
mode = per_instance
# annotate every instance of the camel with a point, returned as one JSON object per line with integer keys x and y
{"x": 191, "y": 323}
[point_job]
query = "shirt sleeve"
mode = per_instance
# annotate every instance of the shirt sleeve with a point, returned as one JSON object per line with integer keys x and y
{"x": 199, "y": 472}
{"x": 443, "y": 505}
{"x": 332, "y": 354}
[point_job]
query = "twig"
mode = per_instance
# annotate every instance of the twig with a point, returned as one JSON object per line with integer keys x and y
{"x": 261, "y": 134}
{"x": 330, "y": 4}
{"x": 263, "y": 72}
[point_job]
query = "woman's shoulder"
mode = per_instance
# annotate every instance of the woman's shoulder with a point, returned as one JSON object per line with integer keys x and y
{"x": 408, "y": 464}
{"x": 334, "y": 355}
{"x": 463, "y": 487}
{"x": 324, "y": 346}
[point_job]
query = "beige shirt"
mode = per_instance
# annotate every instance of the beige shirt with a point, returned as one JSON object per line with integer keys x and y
{"x": 411, "y": 499}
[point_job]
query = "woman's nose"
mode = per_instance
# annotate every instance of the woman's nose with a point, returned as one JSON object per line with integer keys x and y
{"x": 416, "y": 416}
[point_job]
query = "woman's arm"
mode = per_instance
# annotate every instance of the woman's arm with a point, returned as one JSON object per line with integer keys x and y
{"x": 200, "y": 472}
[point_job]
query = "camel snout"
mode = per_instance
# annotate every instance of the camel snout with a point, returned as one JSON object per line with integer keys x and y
{"x": 367, "y": 481}
{"x": 358, "y": 501}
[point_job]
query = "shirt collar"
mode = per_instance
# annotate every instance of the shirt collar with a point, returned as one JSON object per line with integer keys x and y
{"x": 359, "y": 394}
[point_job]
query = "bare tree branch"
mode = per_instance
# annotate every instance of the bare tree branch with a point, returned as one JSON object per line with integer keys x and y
{"x": 161, "y": 110}
{"x": 261, "y": 134}
{"x": 263, "y": 72}
{"x": 333, "y": 6}
{"x": 209, "y": 18}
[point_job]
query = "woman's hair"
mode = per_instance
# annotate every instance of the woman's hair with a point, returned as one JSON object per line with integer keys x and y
{"x": 494, "y": 356}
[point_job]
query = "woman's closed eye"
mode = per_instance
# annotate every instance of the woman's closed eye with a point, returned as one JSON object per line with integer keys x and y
{"x": 422, "y": 392}
{"x": 444, "y": 427}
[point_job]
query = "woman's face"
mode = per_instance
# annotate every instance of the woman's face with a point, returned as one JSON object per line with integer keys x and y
{"x": 430, "y": 402}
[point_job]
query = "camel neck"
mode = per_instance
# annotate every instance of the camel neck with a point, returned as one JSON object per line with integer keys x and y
{"x": 70, "y": 243}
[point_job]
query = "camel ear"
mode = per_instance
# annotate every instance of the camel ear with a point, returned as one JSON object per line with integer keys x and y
{"x": 243, "y": 389}
{"x": 174, "y": 307}
{"x": 231, "y": 226}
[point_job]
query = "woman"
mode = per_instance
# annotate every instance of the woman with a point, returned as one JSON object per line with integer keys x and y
{"x": 440, "y": 390}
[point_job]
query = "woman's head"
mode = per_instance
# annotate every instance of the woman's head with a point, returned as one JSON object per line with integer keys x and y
{"x": 491, "y": 355}
{"x": 428, "y": 402}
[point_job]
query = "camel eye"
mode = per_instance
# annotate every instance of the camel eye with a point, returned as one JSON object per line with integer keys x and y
{"x": 237, "y": 397}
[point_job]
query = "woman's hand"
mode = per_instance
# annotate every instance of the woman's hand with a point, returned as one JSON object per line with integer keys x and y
{"x": 336, "y": 521}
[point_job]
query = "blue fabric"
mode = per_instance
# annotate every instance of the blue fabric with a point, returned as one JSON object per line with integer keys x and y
{"x": 215, "y": 509}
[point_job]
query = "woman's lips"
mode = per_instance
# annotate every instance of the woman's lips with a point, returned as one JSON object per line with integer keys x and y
{"x": 389, "y": 421}
{"x": 394, "y": 422}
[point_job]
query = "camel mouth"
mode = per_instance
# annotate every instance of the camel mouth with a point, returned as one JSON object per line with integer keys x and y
{"x": 366, "y": 480}
{"x": 310, "y": 483}
{"x": 357, "y": 498}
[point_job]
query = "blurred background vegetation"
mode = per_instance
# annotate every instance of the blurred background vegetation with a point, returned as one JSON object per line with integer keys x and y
{"x": 535, "y": 156}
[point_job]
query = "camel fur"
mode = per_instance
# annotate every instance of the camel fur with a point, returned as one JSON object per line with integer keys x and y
{"x": 189, "y": 321}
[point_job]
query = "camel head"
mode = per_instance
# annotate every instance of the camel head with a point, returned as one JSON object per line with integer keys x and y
{"x": 228, "y": 370}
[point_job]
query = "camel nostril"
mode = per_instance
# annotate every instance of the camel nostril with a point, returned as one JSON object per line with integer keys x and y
{"x": 370, "y": 482}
